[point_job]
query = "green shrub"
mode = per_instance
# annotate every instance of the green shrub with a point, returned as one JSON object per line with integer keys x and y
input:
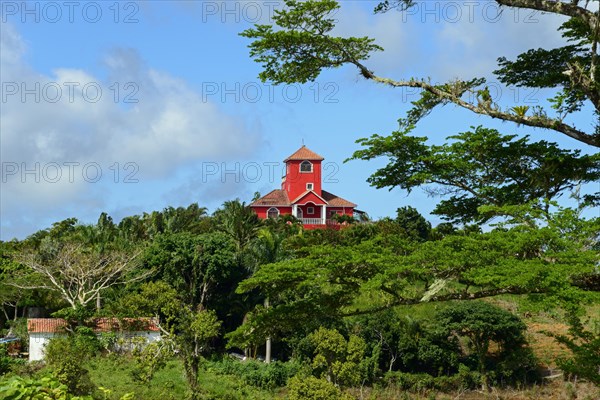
{"x": 311, "y": 388}
{"x": 339, "y": 360}
{"x": 480, "y": 324}
{"x": 46, "y": 388}
{"x": 65, "y": 356}
{"x": 463, "y": 380}
{"x": 257, "y": 373}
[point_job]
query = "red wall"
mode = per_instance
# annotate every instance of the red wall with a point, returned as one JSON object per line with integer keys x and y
{"x": 295, "y": 181}
{"x": 261, "y": 211}
{"x": 315, "y": 214}
{"x": 340, "y": 210}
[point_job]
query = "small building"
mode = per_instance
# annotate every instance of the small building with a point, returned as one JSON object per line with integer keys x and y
{"x": 41, "y": 330}
{"x": 302, "y": 195}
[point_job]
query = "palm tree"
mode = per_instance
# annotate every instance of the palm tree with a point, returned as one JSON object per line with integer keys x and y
{"x": 239, "y": 222}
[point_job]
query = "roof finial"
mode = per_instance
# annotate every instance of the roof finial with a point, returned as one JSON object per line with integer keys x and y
{"x": 303, "y": 142}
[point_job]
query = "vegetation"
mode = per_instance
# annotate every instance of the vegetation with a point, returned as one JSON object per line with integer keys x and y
{"x": 300, "y": 45}
{"x": 377, "y": 309}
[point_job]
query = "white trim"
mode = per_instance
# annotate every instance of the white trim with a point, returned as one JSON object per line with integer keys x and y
{"x": 304, "y": 194}
{"x": 306, "y": 172}
{"x": 272, "y": 208}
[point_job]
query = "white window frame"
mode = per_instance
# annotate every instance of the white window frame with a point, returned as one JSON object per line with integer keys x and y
{"x": 310, "y": 210}
{"x": 304, "y": 163}
{"x": 271, "y": 209}
{"x": 312, "y": 186}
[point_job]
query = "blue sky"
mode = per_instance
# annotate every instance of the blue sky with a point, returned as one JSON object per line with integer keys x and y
{"x": 128, "y": 107}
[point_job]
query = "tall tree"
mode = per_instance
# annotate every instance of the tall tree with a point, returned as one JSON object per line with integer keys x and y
{"x": 239, "y": 222}
{"x": 553, "y": 258}
{"x": 300, "y": 45}
{"x": 480, "y": 167}
{"x": 194, "y": 265}
{"x": 77, "y": 273}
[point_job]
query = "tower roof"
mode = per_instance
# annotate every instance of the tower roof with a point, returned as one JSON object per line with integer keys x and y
{"x": 304, "y": 153}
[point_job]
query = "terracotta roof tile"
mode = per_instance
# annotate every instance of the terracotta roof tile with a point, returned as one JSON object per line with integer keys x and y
{"x": 336, "y": 201}
{"x": 57, "y": 325}
{"x": 277, "y": 197}
{"x": 46, "y": 325}
{"x": 303, "y": 153}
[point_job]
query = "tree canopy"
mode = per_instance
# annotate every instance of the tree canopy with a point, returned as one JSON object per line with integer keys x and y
{"x": 300, "y": 45}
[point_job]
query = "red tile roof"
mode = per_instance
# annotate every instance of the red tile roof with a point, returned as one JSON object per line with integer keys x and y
{"x": 303, "y": 153}
{"x": 57, "y": 325}
{"x": 277, "y": 197}
{"x": 46, "y": 325}
{"x": 336, "y": 201}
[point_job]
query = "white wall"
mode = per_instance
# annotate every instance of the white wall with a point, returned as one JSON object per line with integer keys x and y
{"x": 37, "y": 341}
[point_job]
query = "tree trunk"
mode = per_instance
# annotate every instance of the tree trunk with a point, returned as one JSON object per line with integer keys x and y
{"x": 268, "y": 344}
{"x": 98, "y": 303}
{"x": 191, "y": 373}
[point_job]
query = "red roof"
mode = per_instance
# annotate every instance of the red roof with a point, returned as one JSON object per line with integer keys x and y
{"x": 46, "y": 325}
{"x": 336, "y": 201}
{"x": 304, "y": 153}
{"x": 308, "y": 194}
{"x": 277, "y": 197}
{"x": 57, "y": 325}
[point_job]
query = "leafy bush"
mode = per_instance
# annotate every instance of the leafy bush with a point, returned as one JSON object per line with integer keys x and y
{"x": 585, "y": 346}
{"x": 463, "y": 380}
{"x": 480, "y": 324}
{"x": 339, "y": 360}
{"x": 311, "y": 388}
{"x": 5, "y": 360}
{"x": 46, "y": 388}
{"x": 65, "y": 356}
{"x": 257, "y": 373}
{"x": 407, "y": 344}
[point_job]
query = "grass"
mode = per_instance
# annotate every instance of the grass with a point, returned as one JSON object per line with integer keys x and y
{"x": 114, "y": 373}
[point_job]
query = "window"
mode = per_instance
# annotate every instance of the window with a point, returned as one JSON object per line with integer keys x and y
{"x": 309, "y": 186}
{"x": 332, "y": 213}
{"x": 273, "y": 212}
{"x": 305, "y": 166}
{"x": 310, "y": 210}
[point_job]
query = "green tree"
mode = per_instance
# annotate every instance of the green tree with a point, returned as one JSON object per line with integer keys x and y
{"x": 195, "y": 265}
{"x": 325, "y": 283}
{"x": 300, "y": 45}
{"x": 308, "y": 291}
{"x": 480, "y": 167}
{"x": 585, "y": 347}
{"x": 482, "y": 324}
{"x": 413, "y": 223}
{"x": 186, "y": 331}
{"x": 340, "y": 361}
{"x": 239, "y": 222}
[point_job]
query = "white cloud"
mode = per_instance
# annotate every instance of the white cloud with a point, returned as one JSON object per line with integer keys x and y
{"x": 446, "y": 39}
{"x": 66, "y": 119}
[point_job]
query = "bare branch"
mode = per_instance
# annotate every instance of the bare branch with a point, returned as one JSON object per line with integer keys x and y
{"x": 78, "y": 275}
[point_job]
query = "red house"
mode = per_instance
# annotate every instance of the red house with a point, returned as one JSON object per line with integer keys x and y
{"x": 301, "y": 194}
